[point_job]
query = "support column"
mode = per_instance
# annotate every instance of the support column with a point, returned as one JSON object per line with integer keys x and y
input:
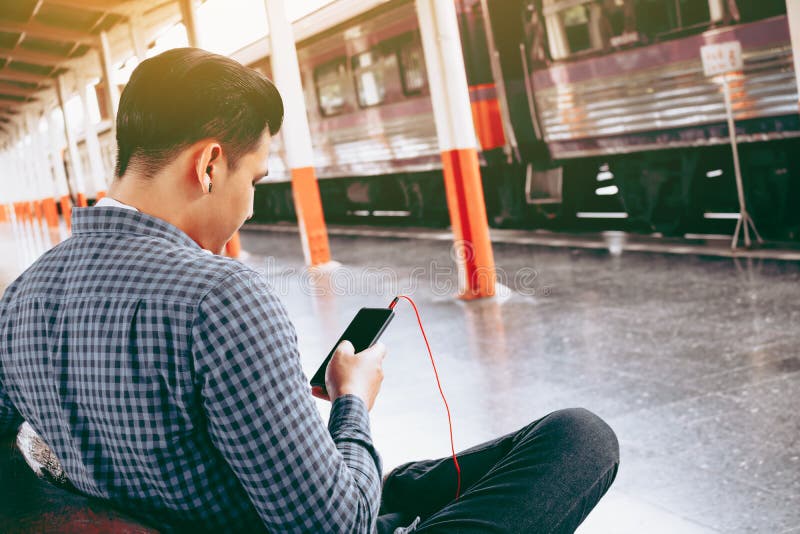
{"x": 190, "y": 22}
{"x": 297, "y": 137}
{"x": 98, "y": 173}
{"x": 137, "y": 37}
{"x": 57, "y": 163}
{"x": 76, "y": 165}
{"x": 111, "y": 93}
{"x": 48, "y": 192}
{"x": 793, "y": 14}
{"x": 441, "y": 43}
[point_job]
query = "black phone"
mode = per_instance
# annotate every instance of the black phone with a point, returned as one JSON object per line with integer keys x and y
{"x": 363, "y": 332}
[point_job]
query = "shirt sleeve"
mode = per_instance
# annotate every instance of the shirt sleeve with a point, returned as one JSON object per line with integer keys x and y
{"x": 10, "y": 419}
{"x": 300, "y": 476}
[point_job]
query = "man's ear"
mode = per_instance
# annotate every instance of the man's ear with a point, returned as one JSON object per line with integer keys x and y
{"x": 208, "y": 157}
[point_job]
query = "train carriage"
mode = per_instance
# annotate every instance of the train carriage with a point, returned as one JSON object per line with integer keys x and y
{"x": 590, "y": 114}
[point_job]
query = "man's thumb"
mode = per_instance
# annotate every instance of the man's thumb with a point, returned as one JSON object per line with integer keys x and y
{"x": 346, "y": 347}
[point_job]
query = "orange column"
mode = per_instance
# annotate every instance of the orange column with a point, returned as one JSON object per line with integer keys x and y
{"x": 465, "y": 202}
{"x": 82, "y": 202}
{"x": 233, "y": 248}
{"x": 66, "y": 210}
{"x": 36, "y": 206}
{"x": 310, "y": 217}
{"x": 50, "y": 212}
{"x": 3, "y": 213}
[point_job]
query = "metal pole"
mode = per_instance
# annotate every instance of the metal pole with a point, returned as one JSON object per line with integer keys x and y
{"x": 793, "y": 14}
{"x": 744, "y": 217}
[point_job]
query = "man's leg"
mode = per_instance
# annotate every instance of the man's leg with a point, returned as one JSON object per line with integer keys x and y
{"x": 545, "y": 478}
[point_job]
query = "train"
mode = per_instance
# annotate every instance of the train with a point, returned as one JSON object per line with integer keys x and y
{"x": 589, "y": 114}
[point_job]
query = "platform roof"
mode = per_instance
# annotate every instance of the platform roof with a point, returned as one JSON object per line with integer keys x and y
{"x": 40, "y": 38}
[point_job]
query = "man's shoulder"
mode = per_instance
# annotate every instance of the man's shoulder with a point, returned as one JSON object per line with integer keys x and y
{"x": 136, "y": 267}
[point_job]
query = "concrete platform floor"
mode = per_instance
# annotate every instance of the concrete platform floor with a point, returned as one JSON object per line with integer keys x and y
{"x": 692, "y": 360}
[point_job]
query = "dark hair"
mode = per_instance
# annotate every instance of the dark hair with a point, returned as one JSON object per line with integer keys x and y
{"x": 186, "y": 94}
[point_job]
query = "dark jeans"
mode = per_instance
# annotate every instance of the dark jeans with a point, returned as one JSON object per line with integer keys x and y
{"x": 544, "y": 478}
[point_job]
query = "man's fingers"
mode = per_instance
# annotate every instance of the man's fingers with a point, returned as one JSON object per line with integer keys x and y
{"x": 319, "y": 393}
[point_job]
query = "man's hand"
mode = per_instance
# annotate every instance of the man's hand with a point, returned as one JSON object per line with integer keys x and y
{"x": 354, "y": 374}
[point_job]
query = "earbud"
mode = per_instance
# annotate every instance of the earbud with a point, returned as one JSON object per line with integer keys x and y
{"x": 207, "y": 182}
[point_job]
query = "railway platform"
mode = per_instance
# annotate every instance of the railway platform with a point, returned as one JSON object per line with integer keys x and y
{"x": 474, "y": 115}
{"x": 691, "y": 359}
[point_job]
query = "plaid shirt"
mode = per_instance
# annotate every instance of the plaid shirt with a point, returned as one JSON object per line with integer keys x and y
{"x": 168, "y": 380}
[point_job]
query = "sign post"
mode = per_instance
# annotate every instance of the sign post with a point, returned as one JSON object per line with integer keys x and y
{"x": 721, "y": 60}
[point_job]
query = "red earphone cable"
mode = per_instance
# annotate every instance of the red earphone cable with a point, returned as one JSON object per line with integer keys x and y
{"x": 438, "y": 383}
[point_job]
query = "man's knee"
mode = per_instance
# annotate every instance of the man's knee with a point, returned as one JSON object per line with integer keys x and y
{"x": 584, "y": 434}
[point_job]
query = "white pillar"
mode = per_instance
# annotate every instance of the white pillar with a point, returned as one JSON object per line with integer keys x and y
{"x": 190, "y": 22}
{"x": 452, "y": 113}
{"x": 111, "y": 93}
{"x": 57, "y": 142}
{"x": 137, "y": 36}
{"x": 76, "y": 165}
{"x": 98, "y": 173}
{"x": 793, "y": 14}
{"x": 37, "y": 185}
{"x": 286, "y": 73}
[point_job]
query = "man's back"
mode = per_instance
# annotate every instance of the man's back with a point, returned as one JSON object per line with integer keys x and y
{"x": 120, "y": 349}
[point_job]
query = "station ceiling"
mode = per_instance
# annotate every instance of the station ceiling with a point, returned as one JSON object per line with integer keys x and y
{"x": 39, "y": 37}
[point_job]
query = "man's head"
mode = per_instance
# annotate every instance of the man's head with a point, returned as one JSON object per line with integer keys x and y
{"x": 199, "y": 124}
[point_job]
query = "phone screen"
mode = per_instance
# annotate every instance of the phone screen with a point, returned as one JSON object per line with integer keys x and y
{"x": 363, "y": 331}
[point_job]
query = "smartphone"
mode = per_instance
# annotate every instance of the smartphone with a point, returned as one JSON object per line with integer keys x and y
{"x": 363, "y": 332}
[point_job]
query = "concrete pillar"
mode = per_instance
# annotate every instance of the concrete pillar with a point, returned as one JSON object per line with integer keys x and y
{"x": 97, "y": 171}
{"x": 190, "y": 22}
{"x": 57, "y": 163}
{"x": 297, "y": 136}
{"x": 793, "y": 14}
{"x": 30, "y": 194}
{"x": 137, "y": 36}
{"x": 441, "y": 43}
{"x": 48, "y": 187}
{"x": 76, "y": 165}
{"x": 110, "y": 93}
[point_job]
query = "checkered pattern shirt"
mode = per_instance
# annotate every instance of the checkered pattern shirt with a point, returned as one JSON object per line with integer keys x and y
{"x": 168, "y": 381}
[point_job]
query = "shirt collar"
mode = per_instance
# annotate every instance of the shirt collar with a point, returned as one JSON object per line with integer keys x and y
{"x": 108, "y": 201}
{"x": 116, "y": 220}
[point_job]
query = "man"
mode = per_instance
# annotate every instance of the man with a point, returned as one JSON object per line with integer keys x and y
{"x": 167, "y": 379}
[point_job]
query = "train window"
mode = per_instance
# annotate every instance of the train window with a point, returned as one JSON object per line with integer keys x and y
{"x": 572, "y": 26}
{"x": 576, "y": 25}
{"x": 750, "y": 10}
{"x": 412, "y": 65}
{"x": 330, "y": 80}
{"x": 619, "y": 22}
{"x": 368, "y": 72}
{"x": 658, "y": 17}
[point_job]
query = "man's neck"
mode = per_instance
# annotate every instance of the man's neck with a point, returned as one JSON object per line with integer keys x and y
{"x": 154, "y": 196}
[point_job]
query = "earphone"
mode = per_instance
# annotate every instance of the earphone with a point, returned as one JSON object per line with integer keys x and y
{"x": 207, "y": 182}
